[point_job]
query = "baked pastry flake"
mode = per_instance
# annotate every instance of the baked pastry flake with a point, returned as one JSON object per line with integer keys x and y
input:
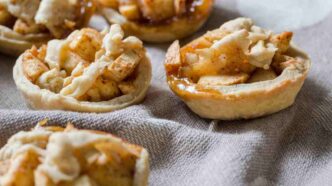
{"x": 88, "y": 72}
{"x": 158, "y": 20}
{"x": 237, "y": 71}
{"x": 24, "y": 23}
{"x": 55, "y": 156}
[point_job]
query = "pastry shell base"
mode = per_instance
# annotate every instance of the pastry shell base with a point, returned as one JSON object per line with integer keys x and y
{"x": 43, "y": 99}
{"x": 162, "y": 32}
{"x": 15, "y": 44}
{"x": 241, "y": 101}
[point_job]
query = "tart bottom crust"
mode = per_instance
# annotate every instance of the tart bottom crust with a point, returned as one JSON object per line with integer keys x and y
{"x": 14, "y": 44}
{"x": 245, "y": 101}
{"x": 177, "y": 29}
{"x": 37, "y": 98}
{"x": 249, "y": 106}
{"x": 163, "y": 33}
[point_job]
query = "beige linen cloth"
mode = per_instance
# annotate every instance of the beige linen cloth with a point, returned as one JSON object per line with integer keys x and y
{"x": 292, "y": 147}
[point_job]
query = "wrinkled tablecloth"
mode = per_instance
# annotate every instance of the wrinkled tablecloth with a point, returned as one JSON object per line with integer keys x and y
{"x": 292, "y": 147}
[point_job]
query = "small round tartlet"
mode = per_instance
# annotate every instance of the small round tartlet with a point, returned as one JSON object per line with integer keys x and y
{"x": 158, "y": 20}
{"x": 238, "y": 71}
{"x": 57, "y": 156}
{"x": 90, "y": 71}
{"x": 27, "y": 23}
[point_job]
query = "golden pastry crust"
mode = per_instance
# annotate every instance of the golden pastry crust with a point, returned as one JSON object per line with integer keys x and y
{"x": 158, "y": 21}
{"x": 15, "y": 44}
{"x": 28, "y": 23}
{"x": 264, "y": 91}
{"x": 118, "y": 77}
{"x": 52, "y": 155}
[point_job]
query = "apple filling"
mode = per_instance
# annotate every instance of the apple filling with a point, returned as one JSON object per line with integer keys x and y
{"x": 238, "y": 52}
{"x": 51, "y": 156}
{"x": 154, "y": 11}
{"x": 36, "y": 16}
{"x": 88, "y": 65}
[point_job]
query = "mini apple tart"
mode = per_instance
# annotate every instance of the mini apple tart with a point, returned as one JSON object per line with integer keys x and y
{"x": 87, "y": 72}
{"x": 24, "y": 23}
{"x": 53, "y": 156}
{"x": 157, "y": 20}
{"x": 237, "y": 71}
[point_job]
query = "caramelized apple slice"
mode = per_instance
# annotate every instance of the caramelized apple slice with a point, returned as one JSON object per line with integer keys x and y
{"x": 220, "y": 80}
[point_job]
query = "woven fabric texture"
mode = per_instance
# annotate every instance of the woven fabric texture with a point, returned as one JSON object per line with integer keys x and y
{"x": 292, "y": 147}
